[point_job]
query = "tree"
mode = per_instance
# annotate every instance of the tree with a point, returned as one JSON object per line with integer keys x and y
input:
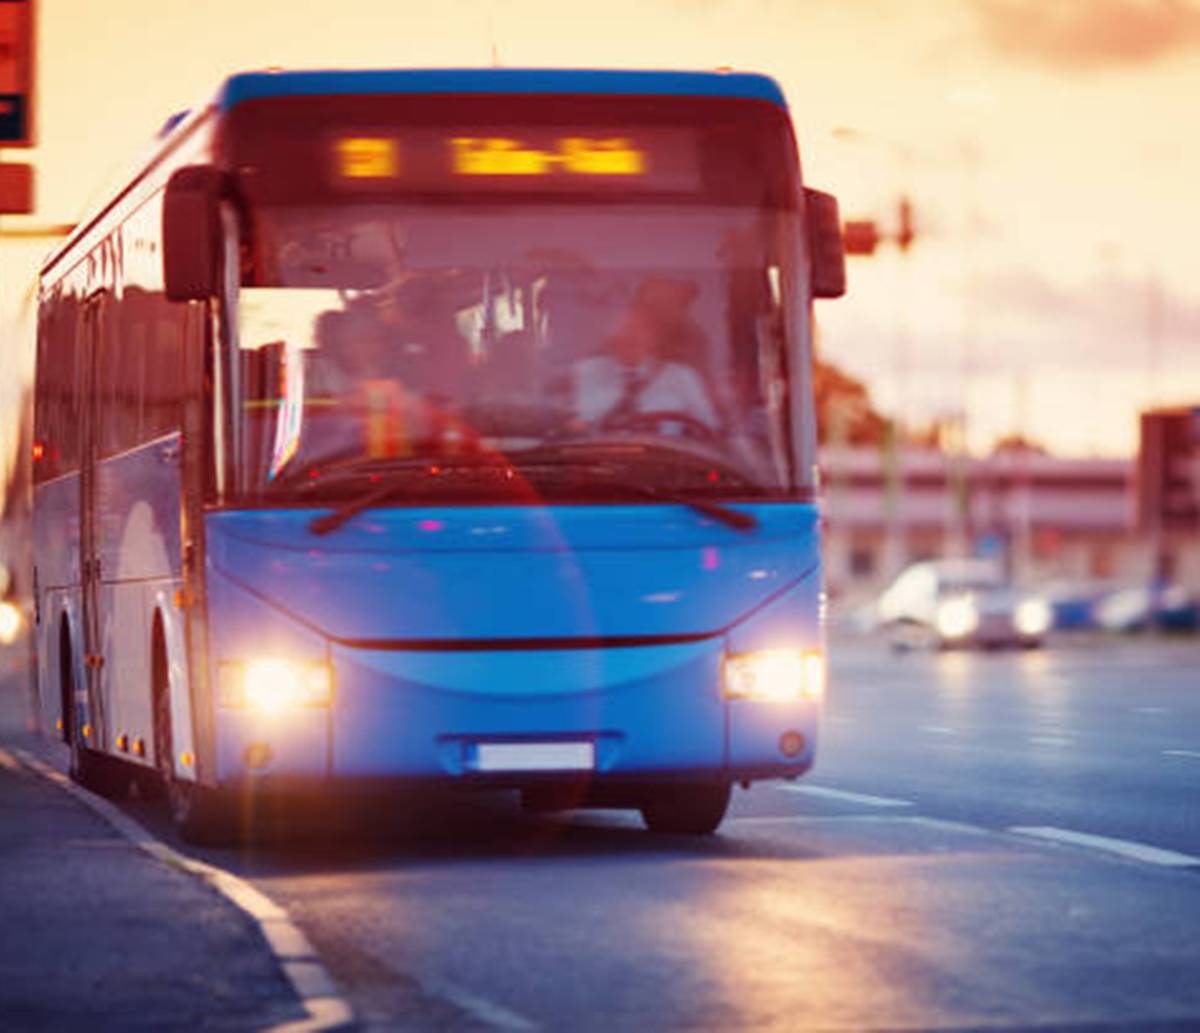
{"x": 845, "y": 413}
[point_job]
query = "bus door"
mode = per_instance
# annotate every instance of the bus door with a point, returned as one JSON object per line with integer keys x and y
{"x": 89, "y": 538}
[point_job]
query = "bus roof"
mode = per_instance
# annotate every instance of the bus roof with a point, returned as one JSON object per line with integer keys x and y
{"x": 243, "y": 86}
{"x": 250, "y": 85}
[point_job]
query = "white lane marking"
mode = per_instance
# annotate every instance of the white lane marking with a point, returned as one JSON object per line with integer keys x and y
{"x": 1122, "y": 847}
{"x": 1049, "y": 740}
{"x": 844, "y": 796}
{"x": 937, "y": 730}
{"x": 1151, "y": 710}
{"x": 1195, "y": 754}
{"x": 318, "y": 996}
{"x": 10, "y": 763}
{"x": 479, "y": 1008}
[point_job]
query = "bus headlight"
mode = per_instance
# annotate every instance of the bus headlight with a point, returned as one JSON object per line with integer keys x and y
{"x": 956, "y": 618}
{"x": 1033, "y": 617}
{"x": 270, "y": 685}
{"x": 774, "y": 676}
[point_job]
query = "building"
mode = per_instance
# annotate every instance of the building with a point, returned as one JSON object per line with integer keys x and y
{"x": 1045, "y": 518}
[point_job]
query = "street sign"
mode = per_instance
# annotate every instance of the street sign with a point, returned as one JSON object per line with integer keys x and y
{"x": 16, "y": 73}
{"x": 16, "y": 189}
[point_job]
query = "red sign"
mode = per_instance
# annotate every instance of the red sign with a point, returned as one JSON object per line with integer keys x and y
{"x": 16, "y": 73}
{"x": 16, "y": 189}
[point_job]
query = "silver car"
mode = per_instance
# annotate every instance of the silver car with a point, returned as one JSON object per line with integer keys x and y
{"x": 967, "y": 602}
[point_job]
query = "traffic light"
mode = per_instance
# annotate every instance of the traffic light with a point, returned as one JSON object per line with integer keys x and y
{"x": 904, "y": 230}
{"x": 860, "y": 237}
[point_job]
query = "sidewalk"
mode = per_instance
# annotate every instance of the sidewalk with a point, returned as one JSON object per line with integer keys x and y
{"x": 96, "y": 934}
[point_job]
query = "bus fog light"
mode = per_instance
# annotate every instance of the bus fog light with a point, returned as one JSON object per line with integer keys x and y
{"x": 775, "y": 676}
{"x": 258, "y": 755}
{"x": 271, "y": 686}
{"x": 792, "y": 744}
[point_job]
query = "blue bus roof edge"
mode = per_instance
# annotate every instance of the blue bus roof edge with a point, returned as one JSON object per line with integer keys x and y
{"x": 250, "y": 85}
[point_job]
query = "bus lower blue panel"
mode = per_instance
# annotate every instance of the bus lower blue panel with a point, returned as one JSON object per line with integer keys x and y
{"x": 757, "y": 734}
{"x": 292, "y": 744}
{"x": 653, "y": 708}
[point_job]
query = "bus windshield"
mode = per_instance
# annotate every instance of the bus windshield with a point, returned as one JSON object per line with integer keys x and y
{"x": 652, "y": 337}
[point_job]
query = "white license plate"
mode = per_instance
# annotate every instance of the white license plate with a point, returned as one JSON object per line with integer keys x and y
{"x": 535, "y": 756}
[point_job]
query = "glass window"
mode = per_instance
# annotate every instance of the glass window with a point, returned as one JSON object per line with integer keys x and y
{"x": 643, "y": 346}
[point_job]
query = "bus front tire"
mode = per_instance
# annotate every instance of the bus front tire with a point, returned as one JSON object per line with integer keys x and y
{"x": 693, "y": 809}
{"x": 202, "y": 816}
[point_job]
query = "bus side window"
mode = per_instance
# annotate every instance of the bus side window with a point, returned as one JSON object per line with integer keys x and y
{"x": 56, "y": 411}
{"x": 164, "y": 361}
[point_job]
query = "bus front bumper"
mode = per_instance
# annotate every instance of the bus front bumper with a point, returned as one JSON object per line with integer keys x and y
{"x": 611, "y": 716}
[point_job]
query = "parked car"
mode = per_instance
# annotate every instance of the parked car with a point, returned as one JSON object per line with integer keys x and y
{"x": 969, "y": 602}
{"x": 1140, "y": 607}
{"x": 1073, "y": 603}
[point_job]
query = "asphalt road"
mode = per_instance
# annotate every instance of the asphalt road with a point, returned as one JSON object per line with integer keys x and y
{"x": 929, "y": 874}
{"x": 888, "y": 890}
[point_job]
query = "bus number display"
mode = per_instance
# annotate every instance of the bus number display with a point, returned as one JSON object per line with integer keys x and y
{"x": 421, "y": 160}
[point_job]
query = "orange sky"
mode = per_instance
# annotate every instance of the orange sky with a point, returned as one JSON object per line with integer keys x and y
{"x": 1049, "y": 146}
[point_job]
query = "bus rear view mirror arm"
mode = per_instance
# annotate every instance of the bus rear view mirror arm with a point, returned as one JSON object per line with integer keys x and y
{"x": 191, "y": 242}
{"x": 827, "y": 255}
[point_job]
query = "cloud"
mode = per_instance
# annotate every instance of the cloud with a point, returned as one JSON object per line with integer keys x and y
{"x": 1108, "y": 320}
{"x": 1088, "y": 34}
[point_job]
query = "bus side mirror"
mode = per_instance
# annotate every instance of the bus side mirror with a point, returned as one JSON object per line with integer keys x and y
{"x": 192, "y": 232}
{"x": 827, "y": 257}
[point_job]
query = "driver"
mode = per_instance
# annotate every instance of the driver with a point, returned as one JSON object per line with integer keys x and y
{"x": 639, "y": 376}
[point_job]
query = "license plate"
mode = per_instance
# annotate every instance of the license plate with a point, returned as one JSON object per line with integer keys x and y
{"x": 535, "y": 756}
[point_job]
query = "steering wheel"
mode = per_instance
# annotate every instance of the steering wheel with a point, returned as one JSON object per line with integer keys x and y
{"x": 692, "y": 427}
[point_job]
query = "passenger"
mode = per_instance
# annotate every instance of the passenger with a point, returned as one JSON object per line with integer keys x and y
{"x": 641, "y": 373}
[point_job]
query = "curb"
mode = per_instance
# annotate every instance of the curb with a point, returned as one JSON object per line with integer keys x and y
{"x": 327, "y": 1009}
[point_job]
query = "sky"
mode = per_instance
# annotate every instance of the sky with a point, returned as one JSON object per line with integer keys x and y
{"x": 1049, "y": 148}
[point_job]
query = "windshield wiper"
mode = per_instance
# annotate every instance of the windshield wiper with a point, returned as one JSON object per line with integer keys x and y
{"x": 727, "y": 515}
{"x": 376, "y": 496}
{"x": 369, "y": 500}
{"x": 594, "y": 453}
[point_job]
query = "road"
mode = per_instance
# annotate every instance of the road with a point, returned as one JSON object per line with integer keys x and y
{"x": 929, "y": 874}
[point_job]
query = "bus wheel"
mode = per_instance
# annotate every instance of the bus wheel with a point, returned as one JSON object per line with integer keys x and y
{"x": 691, "y": 809}
{"x": 202, "y": 816}
{"x": 97, "y": 773}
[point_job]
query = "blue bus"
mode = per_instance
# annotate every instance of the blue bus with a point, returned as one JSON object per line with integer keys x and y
{"x": 428, "y": 427}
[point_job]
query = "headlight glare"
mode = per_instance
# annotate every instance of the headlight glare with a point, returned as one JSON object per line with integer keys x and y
{"x": 1033, "y": 617}
{"x": 957, "y": 618}
{"x": 271, "y": 685}
{"x": 775, "y": 676}
{"x": 10, "y": 622}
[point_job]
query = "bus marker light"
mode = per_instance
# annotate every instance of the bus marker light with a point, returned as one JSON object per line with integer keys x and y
{"x": 139, "y": 747}
{"x": 123, "y": 743}
{"x": 186, "y": 759}
{"x": 87, "y": 731}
